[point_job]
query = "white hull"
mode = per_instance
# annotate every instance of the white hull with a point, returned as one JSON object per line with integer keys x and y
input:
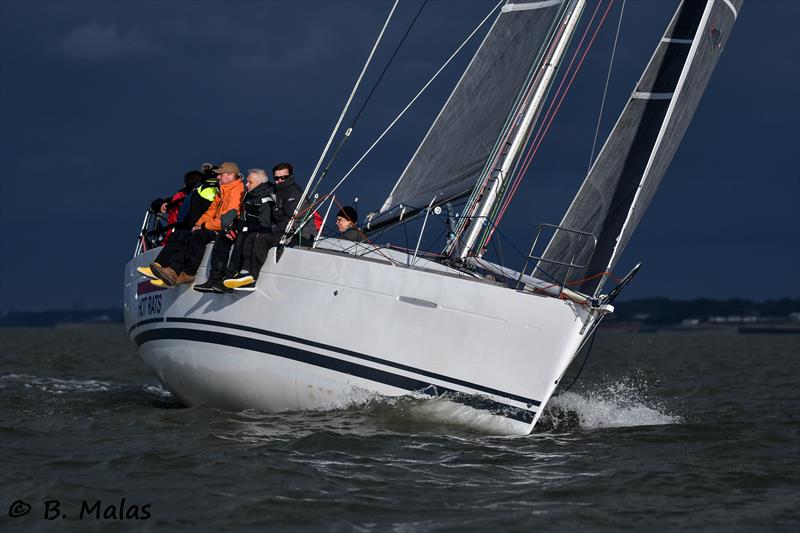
{"x": 324, "y": 326}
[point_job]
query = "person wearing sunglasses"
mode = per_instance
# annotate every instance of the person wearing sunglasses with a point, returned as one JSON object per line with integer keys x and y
{"x": 287, "y": 196}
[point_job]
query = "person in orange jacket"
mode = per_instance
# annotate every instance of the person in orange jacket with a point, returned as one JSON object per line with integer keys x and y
{"x": 229, "y": 198}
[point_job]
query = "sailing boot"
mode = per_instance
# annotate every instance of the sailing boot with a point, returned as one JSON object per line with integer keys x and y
{"x": 240, "y": 280}
{"x": 165, "y": 274}
{"x": 250, "y": 287}
{"x": 212, "y": 285}
{"x": 146, "y": 271}
{"x": 183, "y": 277}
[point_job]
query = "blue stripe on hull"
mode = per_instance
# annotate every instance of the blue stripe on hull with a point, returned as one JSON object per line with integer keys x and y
{"x": 530, "y": 402}
{"x": 331, "y": 363}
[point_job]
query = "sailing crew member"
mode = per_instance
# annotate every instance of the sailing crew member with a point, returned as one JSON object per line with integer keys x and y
{"x": 171, "y": 206}
{"x": 190, "y": 211}
{"x": 241, "y": 232}
{"x": 183, "y": 264}
{"x": 287, "y": 196}
{"x": 346, "y": 220}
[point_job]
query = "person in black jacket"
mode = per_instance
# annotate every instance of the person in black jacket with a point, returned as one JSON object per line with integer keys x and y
{"x": 346, "y": 220}
{"x": 287, "y": 196}
{"x": 194, "y": 205}
{"x": 171, "y": 206}
{"x": 240, "y": 233}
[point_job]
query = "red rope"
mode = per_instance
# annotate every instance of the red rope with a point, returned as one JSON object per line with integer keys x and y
{"x": 506, "y": 136}
{"x": 582, "y": 280}
{"x": 544, "y": 127}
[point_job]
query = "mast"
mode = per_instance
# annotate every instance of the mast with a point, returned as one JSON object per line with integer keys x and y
{"x": 525, "y": 116}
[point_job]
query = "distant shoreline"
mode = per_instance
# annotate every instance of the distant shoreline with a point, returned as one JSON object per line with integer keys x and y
{"x": 111, "y": 315}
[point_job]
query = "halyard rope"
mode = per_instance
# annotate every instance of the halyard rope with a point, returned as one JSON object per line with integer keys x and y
{"x": 549, "y": 116}
{"x": 516, "y": 176}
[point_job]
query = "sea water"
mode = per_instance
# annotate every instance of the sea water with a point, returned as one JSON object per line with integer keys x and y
{"x": 667, "y": 430}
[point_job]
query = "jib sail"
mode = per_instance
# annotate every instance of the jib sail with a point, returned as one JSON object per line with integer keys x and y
{"x": 629, "y": 168}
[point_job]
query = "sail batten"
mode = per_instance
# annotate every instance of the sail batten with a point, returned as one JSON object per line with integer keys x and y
{"x": 455, "y": 149}
{"x": 629, "y": 168}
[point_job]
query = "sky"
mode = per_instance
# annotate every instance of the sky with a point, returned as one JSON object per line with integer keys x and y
{"x": 104, "y": 105}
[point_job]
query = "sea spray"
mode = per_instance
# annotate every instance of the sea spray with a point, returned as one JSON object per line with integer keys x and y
{"x": 611, "y": 403}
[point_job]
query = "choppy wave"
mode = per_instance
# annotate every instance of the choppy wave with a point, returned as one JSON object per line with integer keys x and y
{"x": 620, "y": 403}
{"x": 56, "y": 385}
{"x": 68, "y": 386}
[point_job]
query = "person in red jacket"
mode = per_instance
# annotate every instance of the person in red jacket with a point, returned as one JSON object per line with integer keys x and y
{"x": 183, "y": 267}
{"x": 171, "y": 206}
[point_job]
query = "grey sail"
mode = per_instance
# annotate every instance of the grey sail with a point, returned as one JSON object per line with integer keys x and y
{"x": 629, "y": 168}
{"x": 454, "y": 151}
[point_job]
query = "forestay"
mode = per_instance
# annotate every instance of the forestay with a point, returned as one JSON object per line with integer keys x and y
{"x": 636, "y": 154}
{"x": 450, "y": 158}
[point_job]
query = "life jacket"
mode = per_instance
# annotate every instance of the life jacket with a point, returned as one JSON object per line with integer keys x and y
{"x": 197, "y": 202}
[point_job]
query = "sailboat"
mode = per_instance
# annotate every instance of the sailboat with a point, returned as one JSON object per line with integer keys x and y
{"x": 453, "y": 324}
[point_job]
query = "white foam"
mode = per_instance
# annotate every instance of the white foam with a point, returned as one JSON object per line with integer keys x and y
{"x": 157, "y": 390}
{"x": 422, "y": 408}
{"x": 618, "y": 404}
{"x": 443, "y": 411}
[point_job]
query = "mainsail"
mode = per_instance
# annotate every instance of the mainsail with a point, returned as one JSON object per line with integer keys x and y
{"x": 454, "y": 151}
{"x": 641, "y": 145}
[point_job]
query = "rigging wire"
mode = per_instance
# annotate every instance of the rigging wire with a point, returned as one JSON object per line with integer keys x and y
{"x": 340, "y": 119}
{"x": 517, "y": 176}
{"x": 349, "y": 130}
{"x": 424, "y": 88}
{"x": 388, "y": 63}
{"x": 605, "y": 90}
{"x": 545, "y": 127}
{"x": 585, "y": 359}
{"x": 505, "y": 132}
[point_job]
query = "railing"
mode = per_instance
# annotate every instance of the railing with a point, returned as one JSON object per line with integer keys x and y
{"x": 324, "y": 219}
{"x": 570, "y": 265}
{"x": 154, "y": 225}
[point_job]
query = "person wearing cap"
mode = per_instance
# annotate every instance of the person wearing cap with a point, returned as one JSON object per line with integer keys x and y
{"x": 183, "y": 266}
{"x": 346, "y": 220}
{"x": 240, "y": 232}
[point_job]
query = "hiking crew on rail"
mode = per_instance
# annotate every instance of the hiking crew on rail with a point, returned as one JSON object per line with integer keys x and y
{"x": 244, "y": 223}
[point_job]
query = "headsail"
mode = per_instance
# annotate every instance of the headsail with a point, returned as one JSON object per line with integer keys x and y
{"x": 455, "y": 149}
{"x": 636, "y": 154}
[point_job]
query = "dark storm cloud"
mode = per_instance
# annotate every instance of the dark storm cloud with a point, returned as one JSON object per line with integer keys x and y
{"x": 96, "y": 42}
{"x": 105, "y": 105}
